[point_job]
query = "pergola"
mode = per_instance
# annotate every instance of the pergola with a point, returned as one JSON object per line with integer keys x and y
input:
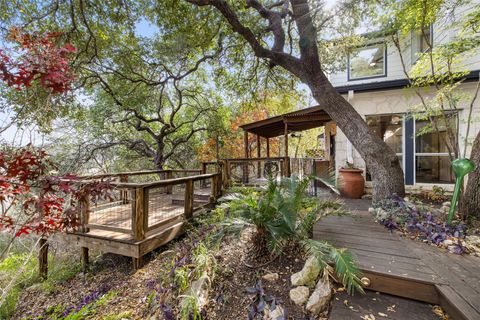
{"x": 284, "y": 124}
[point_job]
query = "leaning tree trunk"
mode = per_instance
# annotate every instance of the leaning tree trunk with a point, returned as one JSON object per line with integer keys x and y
{"x": 387, "y": 174}
{"x": 471, "y": 197}
{"x": 382, "y": 162}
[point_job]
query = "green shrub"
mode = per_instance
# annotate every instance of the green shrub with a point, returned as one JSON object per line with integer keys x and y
{"x": 9, "y": 268}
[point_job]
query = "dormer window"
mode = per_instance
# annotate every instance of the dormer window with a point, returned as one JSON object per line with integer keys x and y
{"x": 367, "y": 62}
{"x": 421, "y": 42}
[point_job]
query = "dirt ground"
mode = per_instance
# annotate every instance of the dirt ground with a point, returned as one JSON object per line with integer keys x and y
{"x": 374, "y": 305}
{"x": 228, "y": 297}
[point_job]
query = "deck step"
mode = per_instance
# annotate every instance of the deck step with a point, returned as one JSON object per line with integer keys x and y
{"x": 455, "y": 305}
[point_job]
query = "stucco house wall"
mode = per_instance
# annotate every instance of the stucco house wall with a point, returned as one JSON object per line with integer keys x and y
{"x": 401, "y": 101}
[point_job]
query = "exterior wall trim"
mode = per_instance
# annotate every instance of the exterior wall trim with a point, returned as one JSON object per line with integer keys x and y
{"x": 392, "y": 84}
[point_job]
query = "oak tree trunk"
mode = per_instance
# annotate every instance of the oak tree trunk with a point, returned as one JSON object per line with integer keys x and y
{"x": 471, "y": 197}
{"x": 382, "y": 162}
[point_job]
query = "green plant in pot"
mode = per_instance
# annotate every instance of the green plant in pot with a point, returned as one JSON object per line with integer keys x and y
{"x": 351, "y": 181}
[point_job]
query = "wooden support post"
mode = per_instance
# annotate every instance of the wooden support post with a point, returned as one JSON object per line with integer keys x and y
{"x": 287, "y": 167}
{"x": 259, "y": 153}
{"x": 268, "y": 147}
{"x": 140, "y": 215}
{"x": 43, "y": 259}
{"x": 85, "y": 260}
{"x": 287, "y": 159}
{"x": 188, "y": 209}
{"x": 137, "y": 263}
{"x": 245, "y": 166}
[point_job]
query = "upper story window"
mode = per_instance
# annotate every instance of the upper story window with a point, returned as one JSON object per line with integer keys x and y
{"x": 421, "y": 42}
{"x": 367, "y": 62}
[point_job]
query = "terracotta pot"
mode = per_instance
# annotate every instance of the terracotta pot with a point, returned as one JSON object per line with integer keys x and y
{"x": 352, "y": 183}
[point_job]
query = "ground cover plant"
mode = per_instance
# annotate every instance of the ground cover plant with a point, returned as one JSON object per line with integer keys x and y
{"x": 422, "y": 221}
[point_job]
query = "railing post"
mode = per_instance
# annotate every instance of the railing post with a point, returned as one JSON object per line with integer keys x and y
{"x": 124, "y": 192}
{"x": 188, "y": 207}
{"x": 287, "y": 166}
{"x": 203, "y": 170}
{"x": 140, "y": 214}
{"x": 216, "y": 186}
{"x": 227, "y": 174}
{"x": 219, "y": 185}
{"x": 259, "y": 163}
{"x": 84, "y": 213}
{"x": 169, "y": 175}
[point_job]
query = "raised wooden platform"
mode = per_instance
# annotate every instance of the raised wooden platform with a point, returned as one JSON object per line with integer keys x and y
{"x": 138, "y": 217}
{"x": 403, "y": 267}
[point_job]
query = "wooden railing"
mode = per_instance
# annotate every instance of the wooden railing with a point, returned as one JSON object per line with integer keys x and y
{"x": 256, "y": 170}
{"x": 250, "y": 170}
{"x": 137, "y": 208}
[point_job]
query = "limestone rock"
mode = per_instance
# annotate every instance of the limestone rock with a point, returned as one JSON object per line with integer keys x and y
{"x": 447, "y": 204}
{"x": 472, "y": 244}
{"x": 299, "y": 295}
{"x": 307, "y": 275}
{"x": 320, "y": 297}
{"x": 271, "y": 277}
{"x": 277, "y": 314}
{"x": 445, "y": 209}
{"x": 448, "y": 242}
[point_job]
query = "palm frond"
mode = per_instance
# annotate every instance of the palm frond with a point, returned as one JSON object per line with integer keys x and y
{"x": 346, "y": 268}
{"x": 332, "y": 207}
{"x": 345, "y": 264}
{"x": 306, "y": 225}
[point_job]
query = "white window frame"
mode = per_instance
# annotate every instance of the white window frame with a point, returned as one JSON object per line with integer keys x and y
{"x": 384, "y": 74}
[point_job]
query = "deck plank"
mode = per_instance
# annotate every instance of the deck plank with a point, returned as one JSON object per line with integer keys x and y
{"x": 401, "y": 266}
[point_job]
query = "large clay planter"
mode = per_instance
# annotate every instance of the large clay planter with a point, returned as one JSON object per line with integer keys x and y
{"x": 352, "y": 184}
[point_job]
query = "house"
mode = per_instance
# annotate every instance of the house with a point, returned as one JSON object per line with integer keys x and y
{"x": 374, "y": 82}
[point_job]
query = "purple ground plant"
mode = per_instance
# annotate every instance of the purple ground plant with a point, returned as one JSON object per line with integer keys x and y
{"x": 260, "y": 301}
{"x": 87, "y": 299}
{"x": 425, "y": 223}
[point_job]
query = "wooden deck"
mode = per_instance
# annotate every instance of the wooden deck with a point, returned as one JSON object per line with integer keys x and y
{"x": 403, "y": 267}
{"x": 141, "y": 216}
{"x": 161, "y": 207}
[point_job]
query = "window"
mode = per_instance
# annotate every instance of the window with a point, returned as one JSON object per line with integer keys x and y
{"x": 421, "y": 42}
{"x": 421, "y": 150}
{"x": 432, "y": 161}
{"x": 367, "y": 62}
{"x": 390, "y": 129}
